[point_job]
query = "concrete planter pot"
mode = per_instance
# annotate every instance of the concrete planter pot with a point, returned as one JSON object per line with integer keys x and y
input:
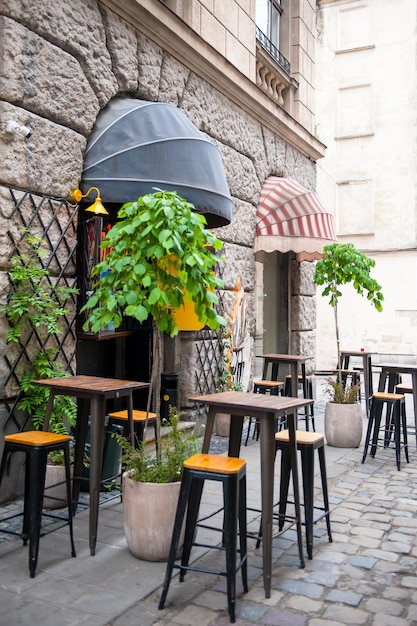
{"x": 55, "y": 496}
{"x": 343, "y": 425}
{"x": 148, "y": 514}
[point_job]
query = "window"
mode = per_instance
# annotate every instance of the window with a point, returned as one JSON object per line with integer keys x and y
{"x": 268, "y": 16}
{"x": 268, "y": 27}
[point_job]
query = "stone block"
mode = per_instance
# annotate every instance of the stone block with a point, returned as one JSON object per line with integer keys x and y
{"x": 239, "y": 262}
{"x": 49, "y": 162}
{"x": 303, "y": 313}
{"x": 44, "y": 79}
{"x": 77, "y": 28}
{"x": 241, "y": 229}
{"x": 123, "y": 48}
{"x": 302, "y": 278}
{"x": 150, "y": 63}
{"x": 304, "y": 342}
{"x": 173, "y": 81}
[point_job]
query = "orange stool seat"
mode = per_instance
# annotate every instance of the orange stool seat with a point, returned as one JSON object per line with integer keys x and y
{"x": 139, "y": 418}
{"x": 36, "y": 438}
{"x": 267, "y": 386}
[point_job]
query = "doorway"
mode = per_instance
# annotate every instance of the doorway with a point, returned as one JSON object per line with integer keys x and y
{"x": 272, "y": 305}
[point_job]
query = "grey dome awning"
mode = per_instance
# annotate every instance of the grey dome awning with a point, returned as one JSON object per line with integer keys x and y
{"x": 137, "y": 145}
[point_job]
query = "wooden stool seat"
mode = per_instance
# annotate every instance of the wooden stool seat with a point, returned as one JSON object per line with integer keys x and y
{"x": 300, "y": 378}
{"x": 36, "y": 445}
{"x": 138, "y": 416}
{"x": 304, "y": 437}
{"x": 386, "y": 395}
{"x": 232, "y": 473}
{"x": 278, "y": 384}
{"x": 403, "y": 389}
{"x": 36, "y": 438}
{"x": 215, "y": 463}
{"x": 139, "y": 419}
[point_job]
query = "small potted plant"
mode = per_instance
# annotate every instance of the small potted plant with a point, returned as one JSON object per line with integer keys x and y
{"x": 342, "y": 264}
{"x": 151, "y": 488}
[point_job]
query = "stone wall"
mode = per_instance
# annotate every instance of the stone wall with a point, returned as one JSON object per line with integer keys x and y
{"x": 62, "y": 62}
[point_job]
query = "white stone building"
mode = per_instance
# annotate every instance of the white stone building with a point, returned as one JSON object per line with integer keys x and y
{"x": 366, "y": 116}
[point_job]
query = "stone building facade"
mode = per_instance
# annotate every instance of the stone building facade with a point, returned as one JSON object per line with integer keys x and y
{"x": 61, "y": 63}
{"x": 368, "y": 174}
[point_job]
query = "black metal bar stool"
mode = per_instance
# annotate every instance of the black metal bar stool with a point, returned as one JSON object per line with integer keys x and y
{"x": 121, "y": 418}
{"x": 268, "y": 387}
{"x": 307, "y": 443}
{"x": 36, "y": 445}
{"x": 307, "y": 393}
{"x": 232, "y": 473}
{"x": 395, "y": 419}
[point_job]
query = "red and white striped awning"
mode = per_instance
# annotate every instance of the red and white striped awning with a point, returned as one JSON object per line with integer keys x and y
{"x": 290, "y": 217}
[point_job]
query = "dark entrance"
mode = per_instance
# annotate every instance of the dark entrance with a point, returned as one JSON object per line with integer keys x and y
{"x": 123, "y": 353}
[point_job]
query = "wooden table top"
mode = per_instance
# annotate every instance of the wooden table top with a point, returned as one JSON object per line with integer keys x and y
{"x": 399, "y": 367}
{"x": 357, "y": 352}
{"x": 252, "y": 401}
{"x": 284, "y": 357}
{"x": 93, "y": 384}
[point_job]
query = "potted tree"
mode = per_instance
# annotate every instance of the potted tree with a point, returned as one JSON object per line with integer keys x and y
{"x": 158, "y": 256}
{"x": 151, "y": 489}
{"x": 342, "y": 264}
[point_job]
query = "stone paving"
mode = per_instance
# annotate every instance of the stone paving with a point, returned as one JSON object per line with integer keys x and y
{"x": 367, "y": 575}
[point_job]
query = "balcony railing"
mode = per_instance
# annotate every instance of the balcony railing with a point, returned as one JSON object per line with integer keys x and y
{"x": 272, "y": 50}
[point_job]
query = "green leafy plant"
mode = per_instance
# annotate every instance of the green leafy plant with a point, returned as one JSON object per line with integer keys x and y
{"x": 342, "y": 264}
{"x": 176, "y": 447}
{"x": 33, "y": 302}
{"x": 341, "y": 393}
{"x": 158, "y": 255}
{"x": 226, "y": 380}
{"x": 36, "y": 305}
{"x": 35, "y": 398}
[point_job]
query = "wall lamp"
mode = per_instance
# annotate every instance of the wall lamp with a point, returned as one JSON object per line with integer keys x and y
{"x": 97, "y": 206}
{"x": 14, "y": 128}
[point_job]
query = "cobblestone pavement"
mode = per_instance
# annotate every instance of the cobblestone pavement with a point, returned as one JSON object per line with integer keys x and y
{"x": 367, "y": 575}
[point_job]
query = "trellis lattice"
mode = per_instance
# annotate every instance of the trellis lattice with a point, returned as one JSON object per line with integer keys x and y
{"x": 210, "y": 359}
{"x": 54, "y": 221}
